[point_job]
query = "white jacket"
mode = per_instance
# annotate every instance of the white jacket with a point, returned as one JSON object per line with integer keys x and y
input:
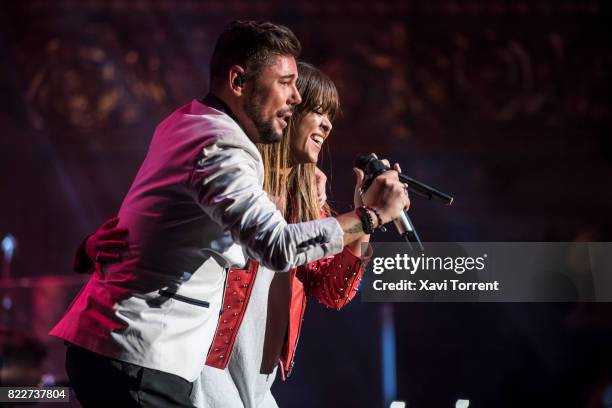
{"x": 196, "y": 208}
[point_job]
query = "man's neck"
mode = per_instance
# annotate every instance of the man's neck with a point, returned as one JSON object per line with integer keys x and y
{"x": 217, "y": 103}
{"x": 220, "y": 101}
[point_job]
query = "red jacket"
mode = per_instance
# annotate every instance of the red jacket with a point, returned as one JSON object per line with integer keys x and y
{"x": 333, "y": 281}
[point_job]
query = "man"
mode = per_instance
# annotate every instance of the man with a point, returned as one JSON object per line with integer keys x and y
{"x": 143, "y": 327}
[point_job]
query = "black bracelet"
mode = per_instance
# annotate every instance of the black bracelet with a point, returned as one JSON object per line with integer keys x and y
{"x": 367, "y": 223}
{"x": 378, "y": 218}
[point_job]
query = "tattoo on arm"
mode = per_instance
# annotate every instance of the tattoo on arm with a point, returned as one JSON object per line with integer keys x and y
{"x": 354, "y": 229}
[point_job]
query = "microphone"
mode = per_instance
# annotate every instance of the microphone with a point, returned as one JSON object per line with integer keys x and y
{"x": 374, "y": 167}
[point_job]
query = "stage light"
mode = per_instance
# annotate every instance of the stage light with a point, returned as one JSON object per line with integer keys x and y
{"x": 8, "y": 247}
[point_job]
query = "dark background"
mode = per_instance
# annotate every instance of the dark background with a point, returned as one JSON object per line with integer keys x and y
{"x": 506, "y": 105}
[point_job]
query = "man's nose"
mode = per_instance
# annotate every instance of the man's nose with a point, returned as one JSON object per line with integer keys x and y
{"x": 295, "y": 98}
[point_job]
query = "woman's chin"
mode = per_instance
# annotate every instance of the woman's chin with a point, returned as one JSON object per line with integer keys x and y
{"x": 306, "y": 158}
{"x": 314, "y": 156}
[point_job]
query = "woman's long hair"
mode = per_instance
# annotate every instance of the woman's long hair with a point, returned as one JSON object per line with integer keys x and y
{"x": 298, "y": 187}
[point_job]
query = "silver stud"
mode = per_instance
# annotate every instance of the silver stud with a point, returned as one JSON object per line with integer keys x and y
{"x": 224, "y": 320}
{"x": 216, "y": 349}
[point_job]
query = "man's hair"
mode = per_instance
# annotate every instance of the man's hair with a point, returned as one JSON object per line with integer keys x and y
{"x": 252, "y": 45}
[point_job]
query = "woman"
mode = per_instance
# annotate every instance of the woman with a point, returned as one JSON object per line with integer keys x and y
{"x": 271, "y": 324}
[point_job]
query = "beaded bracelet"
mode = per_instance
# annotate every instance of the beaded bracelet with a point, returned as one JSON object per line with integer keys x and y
{"x": 367, "y": 223}
{"x": 378, "y": 218}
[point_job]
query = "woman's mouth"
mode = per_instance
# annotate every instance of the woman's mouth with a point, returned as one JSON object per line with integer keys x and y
{"x": 317, "y": 139}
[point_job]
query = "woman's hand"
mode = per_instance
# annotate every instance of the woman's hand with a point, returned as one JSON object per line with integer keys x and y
{"x": 360, "y": 176}
{"x": 102, "y": 245}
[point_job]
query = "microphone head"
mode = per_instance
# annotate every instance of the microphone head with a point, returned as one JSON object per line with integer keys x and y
{"x": 370, "y": 165}
{"x": 361, "y": 161}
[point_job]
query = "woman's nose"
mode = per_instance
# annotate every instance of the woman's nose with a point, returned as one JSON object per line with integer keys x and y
{"x": 326, "y": 125}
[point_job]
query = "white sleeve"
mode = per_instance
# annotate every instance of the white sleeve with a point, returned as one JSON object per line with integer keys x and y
{"x": 229, "y": 191}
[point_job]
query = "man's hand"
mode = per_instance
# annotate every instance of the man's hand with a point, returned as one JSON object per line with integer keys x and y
{"x": 321, "y": 180}
{"x": 101, "y": 244}
{"x": 388, "y": 195}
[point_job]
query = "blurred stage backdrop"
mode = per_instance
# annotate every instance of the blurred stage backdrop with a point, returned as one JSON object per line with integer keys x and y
{"x": 504, "y": 104}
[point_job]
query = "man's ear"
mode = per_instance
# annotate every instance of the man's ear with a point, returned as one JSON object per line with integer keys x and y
{"x": 237, "y": 79}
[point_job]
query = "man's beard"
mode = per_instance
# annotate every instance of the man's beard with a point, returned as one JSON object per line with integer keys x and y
{"x": 265, "y": 128}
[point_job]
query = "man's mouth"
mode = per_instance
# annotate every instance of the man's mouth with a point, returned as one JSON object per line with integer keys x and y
{"x": 284, "y": 116}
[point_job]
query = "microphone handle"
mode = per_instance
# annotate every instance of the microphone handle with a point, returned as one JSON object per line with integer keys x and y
{"x": 407, "y": 231}
{"x": 426, "y": 191}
